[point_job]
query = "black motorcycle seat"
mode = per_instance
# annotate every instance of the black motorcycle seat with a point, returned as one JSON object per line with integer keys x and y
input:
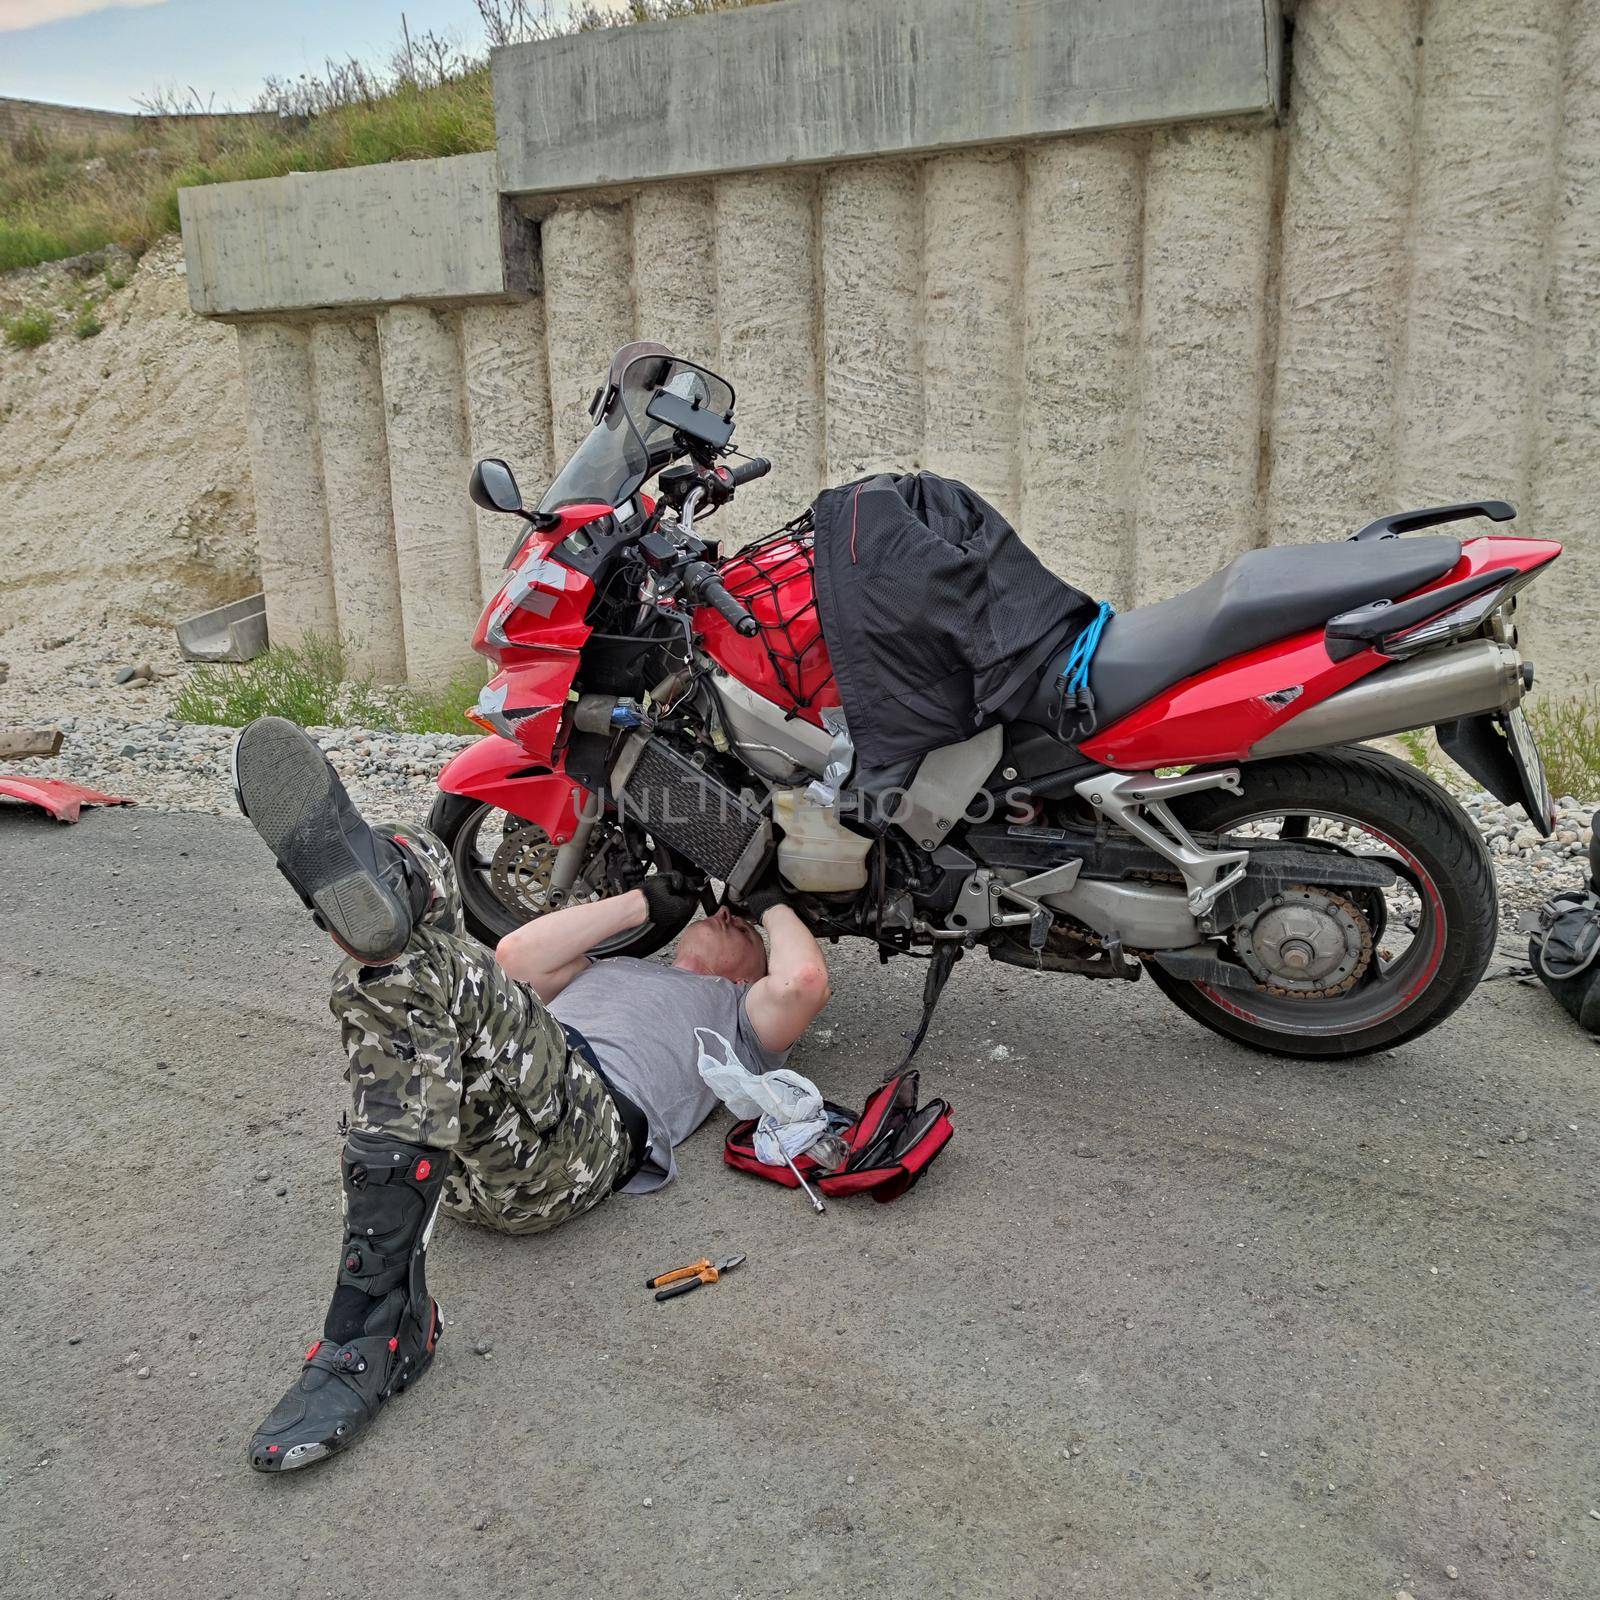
{"x": 1259, "y": 596}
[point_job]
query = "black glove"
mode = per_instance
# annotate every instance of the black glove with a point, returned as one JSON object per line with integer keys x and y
{"x": 762, "y": 895}
{"x": 664, "y": 895}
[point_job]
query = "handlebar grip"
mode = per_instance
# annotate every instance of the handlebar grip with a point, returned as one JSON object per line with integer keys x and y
{"x": 749, "y": 472}
{"x": 706, "y": 588}
{"x": 743, "y": 623}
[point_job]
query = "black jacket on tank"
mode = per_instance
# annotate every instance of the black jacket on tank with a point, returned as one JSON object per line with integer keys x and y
{"x": 934, "y": 611}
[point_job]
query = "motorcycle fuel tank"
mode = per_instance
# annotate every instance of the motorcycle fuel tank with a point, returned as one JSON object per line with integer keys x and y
{"x": 786, "y": 662}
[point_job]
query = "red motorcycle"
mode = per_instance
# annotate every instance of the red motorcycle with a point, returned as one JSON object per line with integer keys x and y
{"x": 661, "y": 708}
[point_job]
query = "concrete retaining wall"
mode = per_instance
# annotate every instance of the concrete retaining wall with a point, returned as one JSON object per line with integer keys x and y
{"x": 21, "y": 118}
{"x": 1154, "y": 346}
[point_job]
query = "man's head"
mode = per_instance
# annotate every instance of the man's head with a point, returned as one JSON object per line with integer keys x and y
{"x": 723, "y": 946}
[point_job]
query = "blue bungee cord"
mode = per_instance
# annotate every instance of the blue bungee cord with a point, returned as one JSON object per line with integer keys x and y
{"x": 1076, "y": 671}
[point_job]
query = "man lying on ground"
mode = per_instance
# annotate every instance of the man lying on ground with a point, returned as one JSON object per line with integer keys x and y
{"x": 517, "y": 1090}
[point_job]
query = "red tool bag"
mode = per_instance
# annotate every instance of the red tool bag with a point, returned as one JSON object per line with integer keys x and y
{"x": 892, "y": 1143}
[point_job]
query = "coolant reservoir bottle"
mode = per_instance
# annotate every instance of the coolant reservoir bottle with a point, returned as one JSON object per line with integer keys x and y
{"x": 817, "y": 852}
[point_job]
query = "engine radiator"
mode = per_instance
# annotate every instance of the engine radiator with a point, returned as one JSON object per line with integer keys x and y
{"x": 697, "y": 815}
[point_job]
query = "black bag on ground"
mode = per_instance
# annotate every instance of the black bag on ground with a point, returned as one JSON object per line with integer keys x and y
{"x": 1564, "y": 944}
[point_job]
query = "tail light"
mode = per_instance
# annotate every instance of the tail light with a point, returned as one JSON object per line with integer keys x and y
{"x": 1404, "y": 628}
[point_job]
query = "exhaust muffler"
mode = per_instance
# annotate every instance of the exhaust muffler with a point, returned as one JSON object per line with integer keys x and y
{"x": 1462, "y": 681}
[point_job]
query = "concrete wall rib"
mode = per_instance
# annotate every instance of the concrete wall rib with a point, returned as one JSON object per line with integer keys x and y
{"x": 1208, "y": 209}
{"x": 507, "y": 380}
{"x": 1345, "y": 263}
{"x": 588, "y": 306}
{"x": 355, "y": 474}
{"x": 675, "y": 268}
{"x": 871, "y": 226}
{"x": 1486, "y": 138}
{"x": 436, "y": 539}
{"x": 972, "y": 321}
{"x": 1562, "y": 619}
{"x": 286, "y": 466}
{"x": 769, "y": 347}
{"x": 1082, "y": 219}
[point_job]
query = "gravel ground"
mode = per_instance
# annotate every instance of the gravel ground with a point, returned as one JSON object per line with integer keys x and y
{"x": 124, "y": 740}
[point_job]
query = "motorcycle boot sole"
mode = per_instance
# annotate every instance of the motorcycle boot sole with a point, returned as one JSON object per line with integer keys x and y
{"x": 332, "y": 858}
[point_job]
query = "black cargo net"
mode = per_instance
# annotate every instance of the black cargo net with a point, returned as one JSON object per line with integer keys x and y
{"x": 768, "y": 583}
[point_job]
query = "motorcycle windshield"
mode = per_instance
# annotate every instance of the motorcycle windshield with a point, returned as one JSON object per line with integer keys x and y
{"x": 626, "y": 445}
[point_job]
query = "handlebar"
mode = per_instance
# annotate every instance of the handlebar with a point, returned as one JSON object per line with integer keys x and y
{"x": 759, "y": 467}
{"x": 705, "y": 588}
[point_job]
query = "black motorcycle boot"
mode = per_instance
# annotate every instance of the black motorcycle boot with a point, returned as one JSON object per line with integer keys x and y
{"x": 382, "y": 1325}
{"x": 365, "y": 889}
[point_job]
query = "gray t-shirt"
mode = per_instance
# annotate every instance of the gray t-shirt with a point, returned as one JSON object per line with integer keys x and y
{"x": 639, "y": 1018}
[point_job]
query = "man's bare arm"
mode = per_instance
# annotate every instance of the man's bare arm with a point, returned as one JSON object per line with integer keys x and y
{"x": 549, "y": 952}
{"x": 782, "y": 1005}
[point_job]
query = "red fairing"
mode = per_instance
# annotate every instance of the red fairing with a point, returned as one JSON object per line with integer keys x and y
{"x": 1219, "y": 714}
{"x": 534, "y": 699}
{"x": 498, "y": 771}
{"x": 787, "y": 662}
{"x": 542, "y": 603}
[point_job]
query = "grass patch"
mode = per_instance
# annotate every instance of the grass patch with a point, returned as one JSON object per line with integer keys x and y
{"x": 29, "y": 329}
{"x": 1421, "y": 752}
{"x": 62, "y": 198}
{"x": 1568, "y": 731}
{"x": 86, "y": 324}
{"x": 309, "y": 685}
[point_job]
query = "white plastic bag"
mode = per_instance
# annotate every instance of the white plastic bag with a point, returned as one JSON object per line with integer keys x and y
{"x": 788, "y": 1105}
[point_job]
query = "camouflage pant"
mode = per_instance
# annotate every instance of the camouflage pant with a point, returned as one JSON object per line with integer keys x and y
{"x": 446, "y": 1050}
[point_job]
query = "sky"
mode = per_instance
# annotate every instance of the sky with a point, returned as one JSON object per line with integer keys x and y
{"x": 104, "y": 52}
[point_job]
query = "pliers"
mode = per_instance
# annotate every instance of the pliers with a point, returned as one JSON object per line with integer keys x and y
{"x": 683, "y": 1279}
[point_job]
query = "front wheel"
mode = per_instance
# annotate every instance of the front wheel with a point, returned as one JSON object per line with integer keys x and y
{"x": 1331, "y": 974}
{"x": 503, "y": 865}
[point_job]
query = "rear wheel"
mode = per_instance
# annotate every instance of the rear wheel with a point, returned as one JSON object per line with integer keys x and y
{"x": 1331, "y": 973}
{"x": 503, "y": 864}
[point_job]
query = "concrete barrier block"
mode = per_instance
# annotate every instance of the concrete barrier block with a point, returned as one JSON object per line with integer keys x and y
{"x": 364, "y": 236}
{"x": 775, "y": 85}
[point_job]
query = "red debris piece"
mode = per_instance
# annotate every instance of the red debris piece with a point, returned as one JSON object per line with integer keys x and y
{"x": 61, "y": 799}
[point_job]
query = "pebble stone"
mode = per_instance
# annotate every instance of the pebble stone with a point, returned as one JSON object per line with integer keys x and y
{"x": 143, "y": 1372}
{"x": 263, "y": 1176}
{"x": 484, "y": 1347}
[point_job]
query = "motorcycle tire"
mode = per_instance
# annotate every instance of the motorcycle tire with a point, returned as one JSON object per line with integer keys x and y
{"x": 455, "y": 818}
{"x": 1447, "y": 865}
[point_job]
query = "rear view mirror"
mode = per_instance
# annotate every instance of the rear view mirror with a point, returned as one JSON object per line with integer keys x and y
{"x": 493, "y": 487}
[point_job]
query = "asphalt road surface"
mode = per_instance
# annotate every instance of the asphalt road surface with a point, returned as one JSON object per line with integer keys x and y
{"x": 1166, "y": 1319}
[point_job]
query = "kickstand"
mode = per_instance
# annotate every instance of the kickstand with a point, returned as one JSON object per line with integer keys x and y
{"x": 944, "y": 958}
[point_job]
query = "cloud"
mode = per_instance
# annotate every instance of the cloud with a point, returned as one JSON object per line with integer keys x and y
{"x": 17, "y": 14}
